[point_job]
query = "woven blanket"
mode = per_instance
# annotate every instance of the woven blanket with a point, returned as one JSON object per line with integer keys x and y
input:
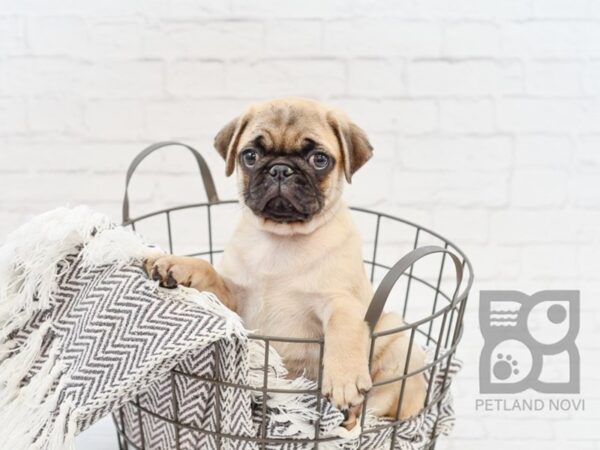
{"x": 84, "y": 332}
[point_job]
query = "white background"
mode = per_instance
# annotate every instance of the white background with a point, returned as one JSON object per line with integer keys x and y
{"x": 484, "y": 115}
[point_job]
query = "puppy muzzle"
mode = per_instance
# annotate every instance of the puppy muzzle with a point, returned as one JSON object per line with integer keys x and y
{"x": 283, "y": 193}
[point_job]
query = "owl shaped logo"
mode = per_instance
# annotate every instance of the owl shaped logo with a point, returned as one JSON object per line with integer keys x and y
{"x": 529, "y": 342}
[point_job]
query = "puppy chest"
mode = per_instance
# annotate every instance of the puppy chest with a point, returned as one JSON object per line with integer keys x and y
{"x": 280, "y": 312}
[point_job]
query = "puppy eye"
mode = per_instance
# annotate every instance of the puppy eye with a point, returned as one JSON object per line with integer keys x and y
{"x": 319, "y": 160}
{"x": 249, "y": 157}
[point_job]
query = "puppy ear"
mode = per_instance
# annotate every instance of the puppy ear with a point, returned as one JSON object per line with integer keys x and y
{"x": 353, "y": 141}
{"x": 226, "y": 141}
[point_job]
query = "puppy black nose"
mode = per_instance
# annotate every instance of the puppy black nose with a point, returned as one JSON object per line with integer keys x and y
{"x": 280, "y": 171}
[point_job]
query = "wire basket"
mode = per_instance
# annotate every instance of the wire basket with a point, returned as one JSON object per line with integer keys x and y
{"x": 429, "y": 284}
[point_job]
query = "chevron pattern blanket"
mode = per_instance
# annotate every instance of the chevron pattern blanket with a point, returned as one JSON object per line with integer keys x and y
{"x": 84, "y": 332}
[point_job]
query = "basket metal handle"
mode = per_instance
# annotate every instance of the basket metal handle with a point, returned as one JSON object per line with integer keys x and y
{"x": 385, "y": 287}
{"x": 209, "y": 184}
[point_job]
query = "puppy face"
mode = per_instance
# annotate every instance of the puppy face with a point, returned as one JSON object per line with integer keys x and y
{"x": 286, "y": 184}
{"x": 291, "y": 157}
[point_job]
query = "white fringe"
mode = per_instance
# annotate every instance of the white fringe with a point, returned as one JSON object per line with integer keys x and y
{"x": 30, "y": 408}
{"x": 118, "y": 246}
{"x": 13, "y": 370}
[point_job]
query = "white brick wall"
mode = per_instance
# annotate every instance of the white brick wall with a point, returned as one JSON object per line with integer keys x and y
{"x": 484, "y": 114}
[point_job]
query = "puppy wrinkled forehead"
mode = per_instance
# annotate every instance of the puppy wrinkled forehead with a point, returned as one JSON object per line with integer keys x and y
{"x": 287, "y": 129}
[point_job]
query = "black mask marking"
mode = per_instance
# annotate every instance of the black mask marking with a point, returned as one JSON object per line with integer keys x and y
{"x": 284, "y": 187}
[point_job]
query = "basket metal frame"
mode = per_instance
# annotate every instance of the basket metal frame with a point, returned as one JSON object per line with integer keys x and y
{"x": 446, "y": 341}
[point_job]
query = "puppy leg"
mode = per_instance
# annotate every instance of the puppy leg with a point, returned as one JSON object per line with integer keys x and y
{"x": 173, "y": 270}
{"x": 389, "y": 362}
{"x": 345, "y": 364}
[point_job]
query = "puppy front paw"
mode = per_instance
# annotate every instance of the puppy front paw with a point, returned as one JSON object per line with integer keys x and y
{"x": 171, "y": 271}
{"x": 345, "y": 385}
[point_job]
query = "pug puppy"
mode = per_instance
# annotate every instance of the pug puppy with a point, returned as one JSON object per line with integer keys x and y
{"x": 293, "y": 267}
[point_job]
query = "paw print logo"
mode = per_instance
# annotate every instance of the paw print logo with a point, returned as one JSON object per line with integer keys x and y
{"x": 523, "y": 332}
{"x": 505, "y": 367}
